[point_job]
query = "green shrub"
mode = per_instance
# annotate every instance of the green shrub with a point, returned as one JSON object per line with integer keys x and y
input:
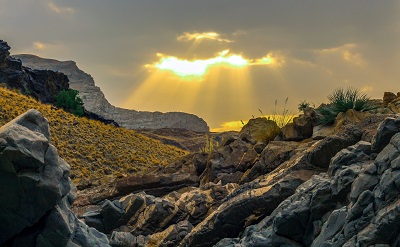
{"x": 303, "y": 105}
{"x": 70, "y": 101}
{"x": 343, "y": 100}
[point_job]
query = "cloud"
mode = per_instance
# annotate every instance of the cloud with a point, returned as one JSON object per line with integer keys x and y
{"x": 202, "y": 36}
{"x": 199, "y": 67}
{"x": 346, "y": 52}
{"x": 39, "y": 45}
{"x": 60, "y": 10}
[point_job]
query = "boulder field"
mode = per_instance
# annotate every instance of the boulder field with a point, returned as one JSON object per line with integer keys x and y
{"x": 339, "y": 189}
{"x": 335, "y": 190}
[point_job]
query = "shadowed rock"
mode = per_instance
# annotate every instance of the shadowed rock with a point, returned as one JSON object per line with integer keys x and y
{"x": 36, "y": 195}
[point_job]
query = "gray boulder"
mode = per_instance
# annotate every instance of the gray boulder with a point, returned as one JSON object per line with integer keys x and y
{"x": 35, "y": 198}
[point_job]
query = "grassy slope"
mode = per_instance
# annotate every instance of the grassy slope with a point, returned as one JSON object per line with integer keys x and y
{"x": 94, "y": 150}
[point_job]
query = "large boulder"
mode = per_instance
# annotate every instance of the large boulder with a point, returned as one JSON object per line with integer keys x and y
{"x": 301, "y": 128}
{"x": 259, "y": 129}
{"x": 35, "y": 198}
{"x": 386, "y": 130}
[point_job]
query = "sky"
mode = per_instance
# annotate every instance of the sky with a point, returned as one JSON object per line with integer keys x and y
{"x": 223, "y": 60}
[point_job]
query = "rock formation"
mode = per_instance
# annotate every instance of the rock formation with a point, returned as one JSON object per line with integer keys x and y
{"x": 337, "y": 190}
{"x": 41, "y": 84}
{"x": 95, "y": 101}
{"x": 36, "y": 192}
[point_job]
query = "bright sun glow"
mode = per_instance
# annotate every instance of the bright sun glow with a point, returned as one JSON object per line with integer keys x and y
{"x": 198, "y": 68}
{"x": 202, "y": 36}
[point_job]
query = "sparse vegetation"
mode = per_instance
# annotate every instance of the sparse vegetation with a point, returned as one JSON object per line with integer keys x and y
{"x": 283, "y": 117}
{"x": 303, "y": 105}
{"x": 94, "y": 150}
{"x": 70, "y": 101}
{"x": 209, "y": 147}
{"x": 342, "y": 100}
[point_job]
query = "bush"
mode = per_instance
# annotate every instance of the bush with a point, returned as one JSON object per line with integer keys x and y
{"x": 343, "y": 100}
{"x": 70, "y": 101}
{"x": 303, "y": 105}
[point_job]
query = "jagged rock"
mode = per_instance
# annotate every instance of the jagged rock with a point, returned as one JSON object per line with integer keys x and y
{"x": 41, "y": 84}
{"x": 95, "y": 101}
{"x": 388, "y": 97}
{"x": 233, "y": 215}
{"x": 228, "y": 162}
{"x": 325, "y": 149}
{"x": 35, "y": 187}
{"x": 171, "y": 236}
{"x": 301, "y": 128}
{"x": 343, "y": 119}
{"x": 126, "y": 239}
{"x": 356, "y": 204}
{"x": 143, "y": 214}
{"x": 154, "y": 184}
{"x": 275, "y": 154}
{"x": 386, "y": 130}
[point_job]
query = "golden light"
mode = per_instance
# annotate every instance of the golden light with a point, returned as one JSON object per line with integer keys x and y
{"x": 202, "y": 36}
{"x": 265, "y": 60}
{"x": 198, "y": 68}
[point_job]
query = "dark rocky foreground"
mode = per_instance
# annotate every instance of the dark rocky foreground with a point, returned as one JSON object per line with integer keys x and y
{"x": 334, "y": 190}
{"x": 340, "y": 189}
{"x": 36, "y": 192}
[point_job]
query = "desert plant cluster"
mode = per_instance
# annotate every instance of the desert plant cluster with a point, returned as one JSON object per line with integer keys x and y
{"x": 342, "y": 100}
{"x": 96, "y": 152}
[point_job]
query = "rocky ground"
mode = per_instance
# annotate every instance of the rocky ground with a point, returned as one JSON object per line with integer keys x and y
{"x": 333, "y": 186}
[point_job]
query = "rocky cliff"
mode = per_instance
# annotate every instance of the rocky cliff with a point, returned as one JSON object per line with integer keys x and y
{"x": 40, "y": 83}
{"x": 95, "y": 101}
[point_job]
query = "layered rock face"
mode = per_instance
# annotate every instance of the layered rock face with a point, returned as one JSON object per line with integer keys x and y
{"x": 337, "y": 190}
{"x": 95, "y": 101}
{"x": 36, "y": 192}
{"x": 41, "y": 84}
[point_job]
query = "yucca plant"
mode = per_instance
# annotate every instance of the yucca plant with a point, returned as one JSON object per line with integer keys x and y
{"x": 342, "y": 100}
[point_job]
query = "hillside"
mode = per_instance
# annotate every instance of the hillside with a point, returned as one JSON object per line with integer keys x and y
{"x": 96, "y": 152}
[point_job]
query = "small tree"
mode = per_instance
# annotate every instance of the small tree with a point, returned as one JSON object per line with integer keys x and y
{"x": 70, "y": 101}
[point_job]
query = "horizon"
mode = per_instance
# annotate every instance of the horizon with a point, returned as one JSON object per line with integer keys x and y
{"x": 222, "y": 61}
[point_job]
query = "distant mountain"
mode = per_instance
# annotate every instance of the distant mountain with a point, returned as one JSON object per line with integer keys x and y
{"x": 95, "y": 101}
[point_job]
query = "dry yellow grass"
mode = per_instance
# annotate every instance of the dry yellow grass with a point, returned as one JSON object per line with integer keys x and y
{"x": 95, "y": 151}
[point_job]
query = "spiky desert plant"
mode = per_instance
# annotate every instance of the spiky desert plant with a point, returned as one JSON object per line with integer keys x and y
{"x": 342, "y": 100}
